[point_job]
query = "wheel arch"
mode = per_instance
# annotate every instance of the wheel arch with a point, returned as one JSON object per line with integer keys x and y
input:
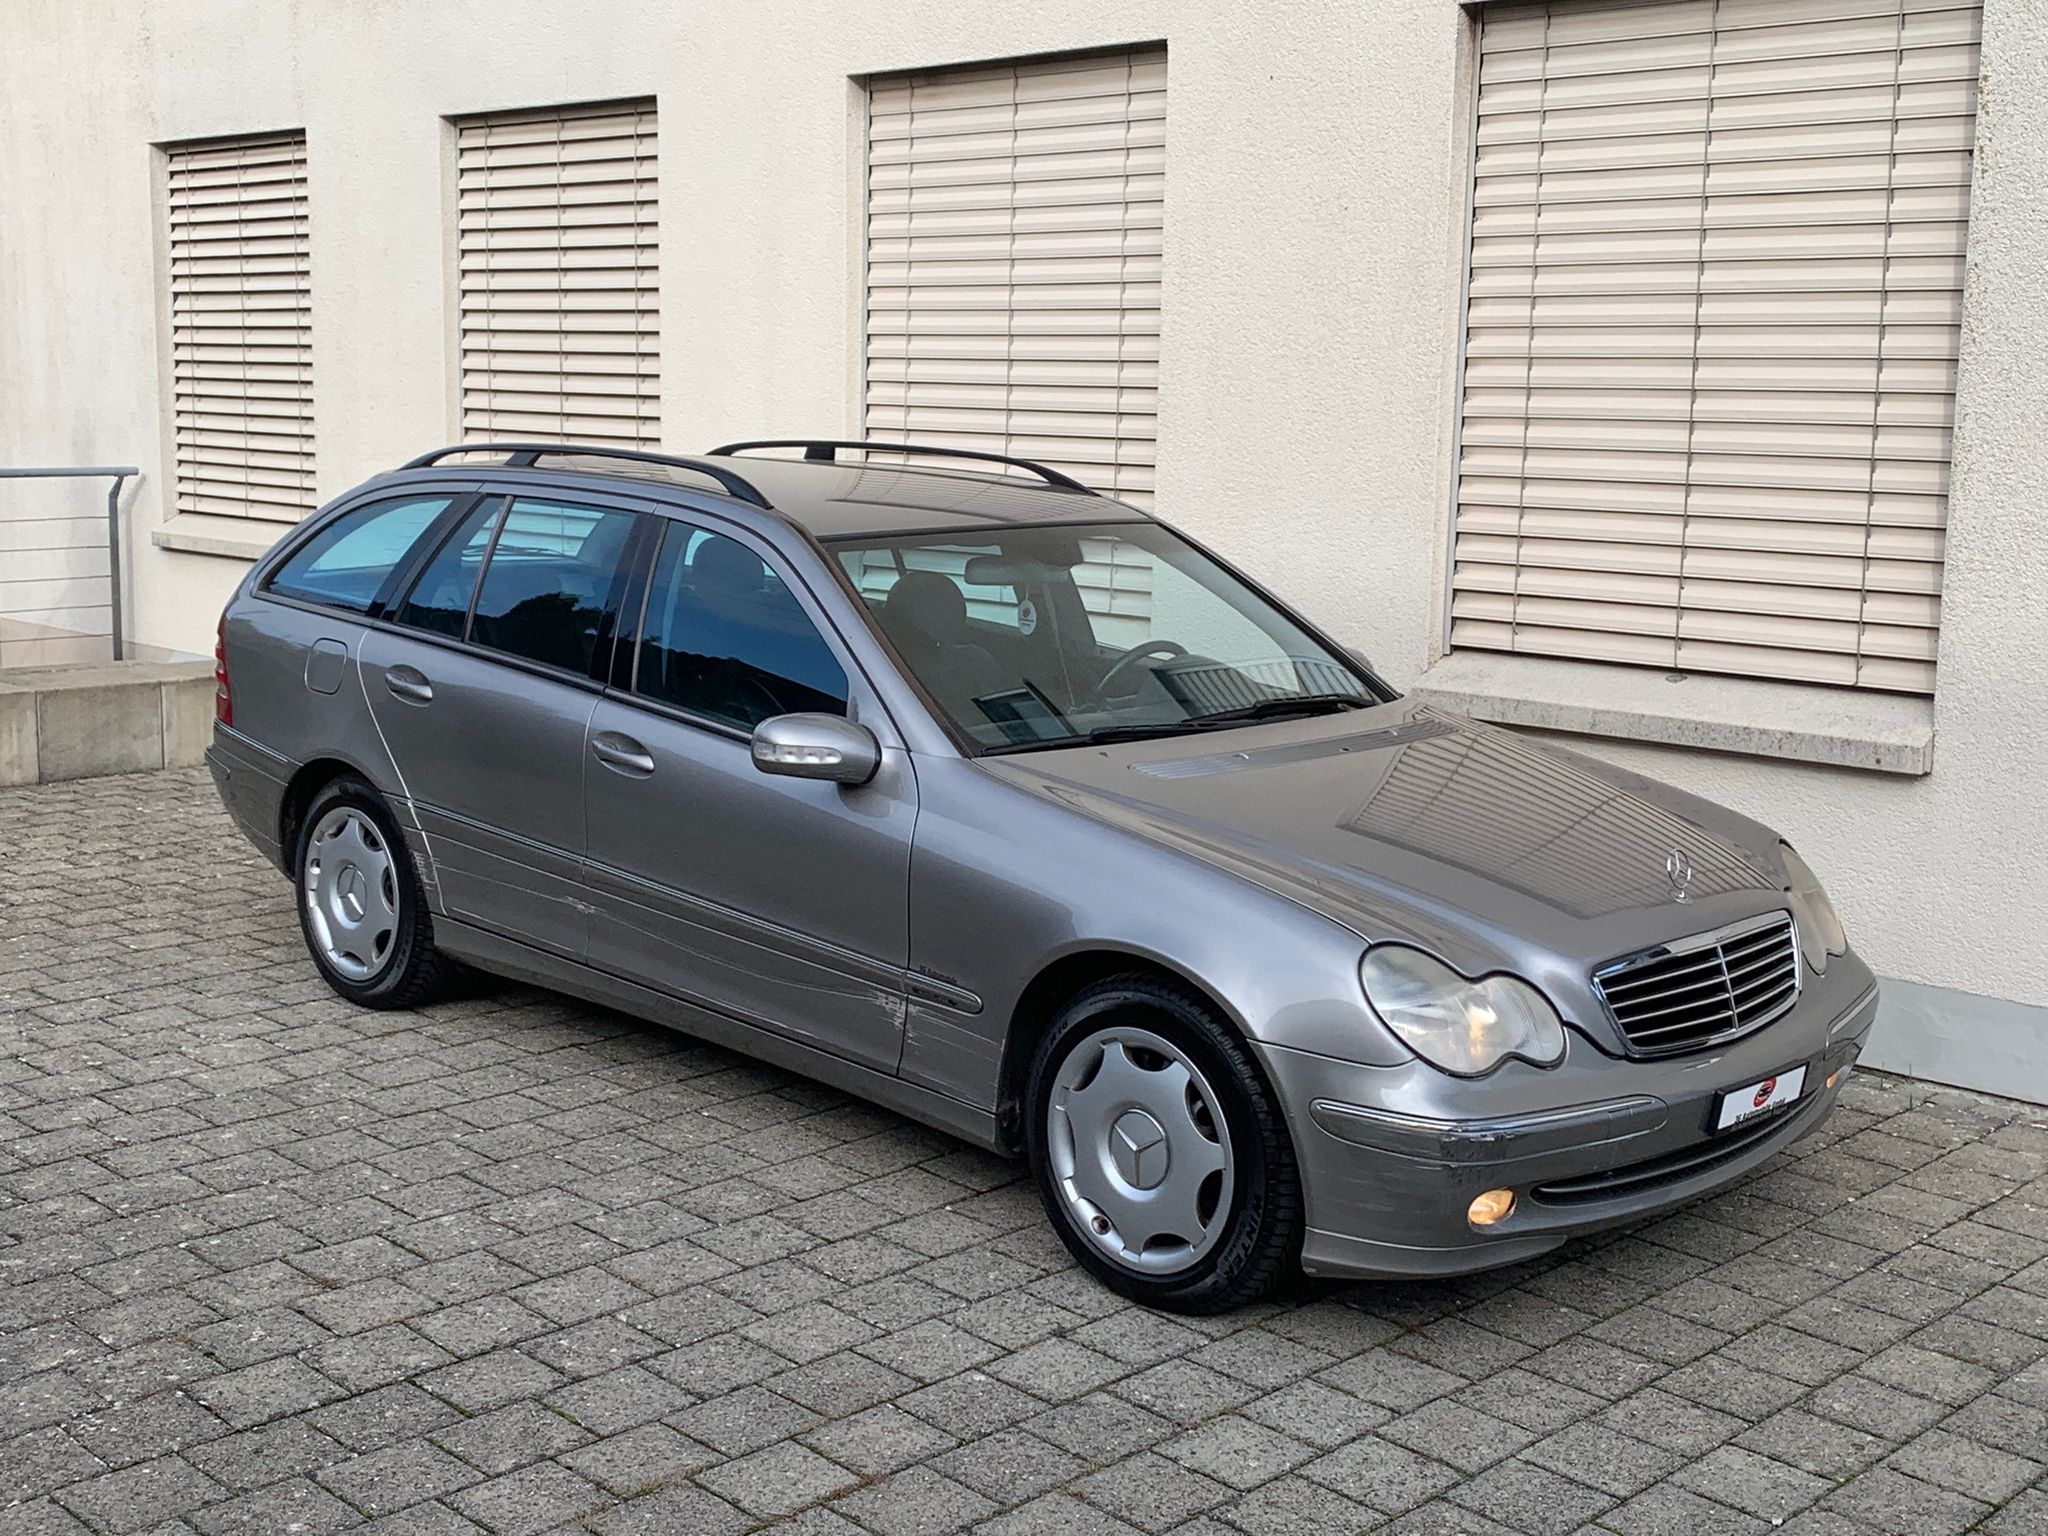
{"x": 305, "y": 784}
{"x": 1056, "y": 983}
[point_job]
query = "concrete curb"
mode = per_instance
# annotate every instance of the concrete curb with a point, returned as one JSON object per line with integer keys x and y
{"x": 78, "y": 722}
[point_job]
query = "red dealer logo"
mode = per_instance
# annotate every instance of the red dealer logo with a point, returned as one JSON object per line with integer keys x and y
{"x": 1764, "y": 1090}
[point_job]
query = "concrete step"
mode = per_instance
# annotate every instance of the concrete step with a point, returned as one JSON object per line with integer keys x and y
{"x": 80, "y": 721}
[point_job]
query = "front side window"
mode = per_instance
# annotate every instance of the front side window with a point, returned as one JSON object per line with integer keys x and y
{"x": 345, "y": 563}
{"x": 1033, "y": 637}
{"x": 724, "y": 638}
{"x": 548, "y": 580}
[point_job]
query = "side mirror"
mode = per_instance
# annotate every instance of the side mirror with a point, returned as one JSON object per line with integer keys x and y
{"x": 1362, "y": 659}
{"x": 810, "y": 746}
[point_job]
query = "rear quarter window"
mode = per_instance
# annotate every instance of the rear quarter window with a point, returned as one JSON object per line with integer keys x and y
{"x": 345, "y": 563}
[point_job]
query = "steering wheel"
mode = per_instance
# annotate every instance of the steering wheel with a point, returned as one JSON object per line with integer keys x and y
{"x": 1165, "y": 650}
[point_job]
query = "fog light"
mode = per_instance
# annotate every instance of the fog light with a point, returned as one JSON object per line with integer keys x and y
{"x": 1495, "y": 1205}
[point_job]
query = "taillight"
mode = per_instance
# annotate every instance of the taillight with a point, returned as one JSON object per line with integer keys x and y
{"x": 223, "y": 694}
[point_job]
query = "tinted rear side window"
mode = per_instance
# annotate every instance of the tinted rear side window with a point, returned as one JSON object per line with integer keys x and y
{"x": 548, "y": 582}
{"x": 440, "y": 598}
{"x": 345, "y": 563}
{"x": 724, "y": 638}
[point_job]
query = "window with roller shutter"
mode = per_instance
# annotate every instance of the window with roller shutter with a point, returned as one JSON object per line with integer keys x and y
{"x": 1711, "y": 335}
{"x": 1013, "y": 261}
{"x": 559, "y": 274}
{"x": 241, "y": 317}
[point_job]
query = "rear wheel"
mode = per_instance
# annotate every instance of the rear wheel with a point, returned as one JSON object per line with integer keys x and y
{"x": 361, "y": 907}
{"x": 1159, "y": 1151}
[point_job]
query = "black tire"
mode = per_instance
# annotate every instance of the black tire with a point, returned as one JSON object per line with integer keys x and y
{"x": 1259, "y": 1247}
{"x": 411, "y": 972}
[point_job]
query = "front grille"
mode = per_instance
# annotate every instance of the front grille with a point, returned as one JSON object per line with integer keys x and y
{"x": 1711, "y": 987}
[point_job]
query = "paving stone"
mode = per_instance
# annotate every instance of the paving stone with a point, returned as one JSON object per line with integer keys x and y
{"x": 295, "y": 1505}
{"x": 256, "y": 1458}
{"x": 1388, "y": 1477}
{"x": 265, "y": 1255}
{"x": 1464, "y": 1436}
{"x": 1753, "y": 1483}
{"x": 1100, "y": 1427}
{"x": 1183, "y": 1391}
{"x": 139, "y": 1496}
{"x": 1963, "y": 1466}
{"x": 1820, "y": 1446}
{"x": 1668, "y": 1510}
{"x": 917, "y": 1502}
{"x": 1315, "y": 1414}
{"x": 1604, "y": 1458}
{"x": 1236, "y": 1451}
{"x": 885, "y": 1439}
{"x": 617, "y": 1400}
{"x": 1392, "y": 1380}
{"x": 1148, "y": 1491}
{"x": 1056, "y": 1514}
{"x": 672, "y": 1512}
{"x": 257, "y": 1394}
{"x": 777, "y": 1481}
{"x": 529, "y": 1501}
{"x": 397, "y": 1477}
{"x": 1292, "y": 1505}
{"x": 1890, "y": 1501}
{"x": 1531, "y": 1498}
{"x": 510, "y": 1437}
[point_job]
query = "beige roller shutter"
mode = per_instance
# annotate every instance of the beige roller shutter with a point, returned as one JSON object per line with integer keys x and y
{"x": 559, "y": 275}
{"x": 1716, "y": 275}
{"x": 1013, "y": 259}
{"x": 241, "y": 313}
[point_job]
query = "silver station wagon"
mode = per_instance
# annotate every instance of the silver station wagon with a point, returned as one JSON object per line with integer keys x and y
{"x": 948, "y": 781}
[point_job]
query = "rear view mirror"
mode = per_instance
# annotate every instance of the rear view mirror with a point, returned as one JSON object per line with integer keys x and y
{"x": 812, "y": 746}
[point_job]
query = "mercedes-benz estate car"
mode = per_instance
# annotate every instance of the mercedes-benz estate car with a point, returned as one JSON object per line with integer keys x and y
{"x": 954, "y": 784}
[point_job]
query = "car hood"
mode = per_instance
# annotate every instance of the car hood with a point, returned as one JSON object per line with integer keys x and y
{"x": 1407, "y": 822}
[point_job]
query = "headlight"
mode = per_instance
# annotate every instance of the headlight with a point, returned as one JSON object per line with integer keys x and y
{"x": 1820, "y": 930}
{"x": 1466, "y": 1027}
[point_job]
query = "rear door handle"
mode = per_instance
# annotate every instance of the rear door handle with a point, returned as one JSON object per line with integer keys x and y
{"x": 409, "y": 683}
{"x": 622, "y": 754}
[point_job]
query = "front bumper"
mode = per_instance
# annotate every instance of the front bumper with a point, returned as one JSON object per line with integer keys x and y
{"x": 1391, "y": 1157}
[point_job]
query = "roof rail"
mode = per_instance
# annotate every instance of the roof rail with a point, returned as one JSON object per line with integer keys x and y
{"x": 528, "y": 455}
{"x": 822, "y": 450}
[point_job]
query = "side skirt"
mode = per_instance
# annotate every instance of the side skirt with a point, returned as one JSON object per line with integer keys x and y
{"x": 508, "y": 957}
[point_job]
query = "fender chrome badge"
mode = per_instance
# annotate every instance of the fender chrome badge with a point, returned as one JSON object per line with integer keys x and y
{"x": 1678, "y": 870}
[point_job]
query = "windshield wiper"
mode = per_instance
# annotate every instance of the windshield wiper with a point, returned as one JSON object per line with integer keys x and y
{"x": 1293, "y": 704}
{"x": 1302, "y": 704}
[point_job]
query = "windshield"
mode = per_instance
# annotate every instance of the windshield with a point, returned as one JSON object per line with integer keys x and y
{"x": 1040, "y": 637}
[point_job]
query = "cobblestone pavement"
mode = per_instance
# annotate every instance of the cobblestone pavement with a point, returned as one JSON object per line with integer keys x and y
{"x": 269, "y": 1264}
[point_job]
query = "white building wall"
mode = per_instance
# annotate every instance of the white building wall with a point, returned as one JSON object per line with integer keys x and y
{"x": 1316, "y": 167}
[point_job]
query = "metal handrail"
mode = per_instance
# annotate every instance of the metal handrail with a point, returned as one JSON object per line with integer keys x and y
{"x": 120, "y": 472}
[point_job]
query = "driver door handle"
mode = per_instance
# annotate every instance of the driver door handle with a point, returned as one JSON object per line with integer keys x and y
{"x": 410, "y": 684}
{"x": 622, "y": 754}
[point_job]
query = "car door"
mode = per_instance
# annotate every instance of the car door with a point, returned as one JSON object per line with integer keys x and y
{"x": 781, "y": 901}
{"x": 483, "y": 688}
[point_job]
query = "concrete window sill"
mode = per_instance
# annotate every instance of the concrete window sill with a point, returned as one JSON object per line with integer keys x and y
{"x": 1882, "y": 733}
{"x": 234, "y": 538}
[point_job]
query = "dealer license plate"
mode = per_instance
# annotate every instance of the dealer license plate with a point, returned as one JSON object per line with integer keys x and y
{"x": 1740, "y": 1104}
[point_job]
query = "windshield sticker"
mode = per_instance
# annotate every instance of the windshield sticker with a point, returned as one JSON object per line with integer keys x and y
{"x": 1027, "y": 617}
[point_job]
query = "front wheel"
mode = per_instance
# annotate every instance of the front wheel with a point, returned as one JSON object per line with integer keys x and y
{"x": 360, "y": 904}
{"x": 1159, "y": 1151}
